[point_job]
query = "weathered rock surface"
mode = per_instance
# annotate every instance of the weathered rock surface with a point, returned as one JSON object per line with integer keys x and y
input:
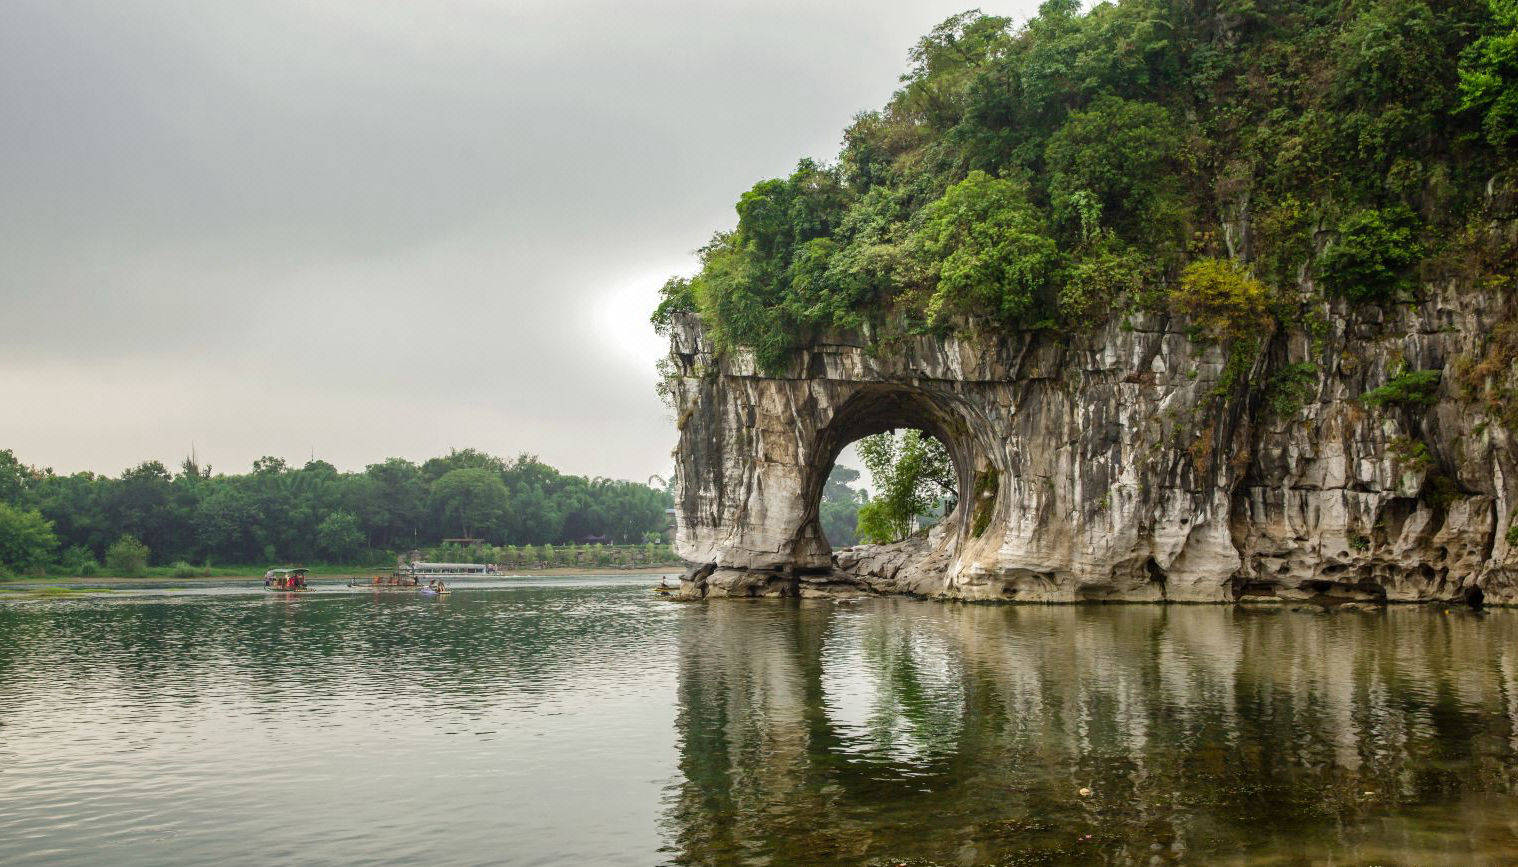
{"x": 1111, "y": 465}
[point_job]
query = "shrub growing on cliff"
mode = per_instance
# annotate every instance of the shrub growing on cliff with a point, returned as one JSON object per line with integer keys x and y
{"x": 1103, "y": 273}
{"x": 1114, "y": 159}
{"x": 1372, "y": 256}
{"x": 1224, "y": 300}
{"x": 986, "y": 250}
{"x": 1419, "y": 387}
{"x": 1489, "y": 74}
{"x": 1290, "y": 388}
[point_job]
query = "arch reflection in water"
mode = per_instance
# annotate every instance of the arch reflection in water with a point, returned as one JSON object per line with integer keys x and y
{"x": 900, "y": 729}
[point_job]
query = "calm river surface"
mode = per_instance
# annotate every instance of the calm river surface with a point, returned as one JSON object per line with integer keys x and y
{"x": 588, "y": 721}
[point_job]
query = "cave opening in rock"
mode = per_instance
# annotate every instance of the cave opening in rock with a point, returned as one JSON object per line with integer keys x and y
{"x": 922, "y": 436}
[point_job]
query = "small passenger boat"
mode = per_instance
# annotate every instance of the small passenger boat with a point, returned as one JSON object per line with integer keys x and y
{"x": 435, "y": 588}
{"x": 286, "y": 581}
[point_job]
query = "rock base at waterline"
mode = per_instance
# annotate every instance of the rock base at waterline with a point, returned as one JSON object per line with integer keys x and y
{"x": 911, "y": 568}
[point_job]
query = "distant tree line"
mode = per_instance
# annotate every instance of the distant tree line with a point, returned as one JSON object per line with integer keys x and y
{"x": 280, "y": 513}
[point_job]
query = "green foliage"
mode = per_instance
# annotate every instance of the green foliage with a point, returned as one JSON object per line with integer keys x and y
{"x": 27, "y": 541}
{"x": 1372, "y": 256}
{"x": 1410, "y": 454}
{"x": 1068, "y": 164}
{"x": 675, "y": 297}
{"x": 985, "y": 501}
{"x": 127, "y": 558}
{"x": 1224, "y": 301}
{"x": 285, "y": 513}
{"x": 1290, "y": 388}
{"x": 1113, "y": 162}
{"x": 181, "y": 569}
{"x": 880, "y": 524}
{"x": 985, "y": 250}
{"x": 1413, "y": 387}
{"x": 838, "y": 511}
{"x": 1489, "y": 74}
{"x": 14, "y": 478}
{"x": 914, "y": 477}
{"x": 1104, "y": 272}
{"x": 1512, "y": 531}
{"x": 1283, "y": 240}
{"x": 77, "y": 560}
{"x": 339, "y": 537}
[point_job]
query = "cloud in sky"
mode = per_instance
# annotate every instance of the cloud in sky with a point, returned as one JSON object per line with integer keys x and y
{"x": 363, "y": 228}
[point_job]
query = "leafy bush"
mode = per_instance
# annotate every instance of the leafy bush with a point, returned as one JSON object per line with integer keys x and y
{"x": 26, "y": 539}
{"x": 1372, "y": 255}
{"x": 1410, "y": 454}
{"x": 127, "y": 558}
{"x": 1223, "y": 299}
{"x": 1110, "y": 159}
{"x": 986, "y": 249}
{"x": 1412, "y": 387}
{"x": 1290, "y": 388}
{"x": 181, "y": 569}
{"x": 1489, "y": 75}
{"x": 675, "y": 297}
{"x": 77, "y": 560}
{"x": 1102, "y": 273}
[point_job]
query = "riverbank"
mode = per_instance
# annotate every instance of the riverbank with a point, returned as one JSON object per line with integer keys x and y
{"x": 233, "y": 576}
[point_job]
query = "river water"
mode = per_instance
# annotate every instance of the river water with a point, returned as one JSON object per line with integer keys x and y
{"x": 588, "y": 721}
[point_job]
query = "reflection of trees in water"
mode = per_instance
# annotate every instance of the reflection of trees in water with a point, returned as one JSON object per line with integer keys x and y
{"x": 814, "y": 731}
{"x": 462, "y": 654}
{"x": 891, "y": 691}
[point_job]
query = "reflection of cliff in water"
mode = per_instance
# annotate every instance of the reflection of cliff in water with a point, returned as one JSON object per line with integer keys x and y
{"x": 902, "y": 729}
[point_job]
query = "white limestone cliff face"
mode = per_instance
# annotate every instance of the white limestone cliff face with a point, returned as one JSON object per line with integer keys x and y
{"x": 1110, "y": 465}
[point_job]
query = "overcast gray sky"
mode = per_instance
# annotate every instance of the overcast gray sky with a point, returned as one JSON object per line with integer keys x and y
{"x": 364, "y": 228}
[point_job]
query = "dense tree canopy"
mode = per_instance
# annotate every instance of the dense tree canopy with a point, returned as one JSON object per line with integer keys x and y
{"x": 1038, "y": 176}
{"x": 278, "y": 512}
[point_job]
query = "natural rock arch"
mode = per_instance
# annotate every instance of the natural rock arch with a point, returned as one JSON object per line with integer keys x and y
{"x": 876, "y": 408}
{"x": 1120, "y": 464}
